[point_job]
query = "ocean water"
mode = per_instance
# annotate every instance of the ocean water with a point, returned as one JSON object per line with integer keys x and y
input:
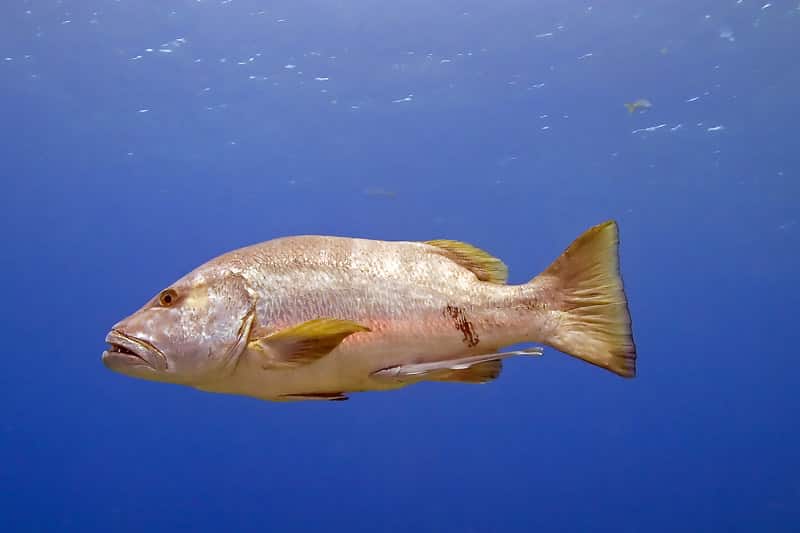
{"x": 142, "y": 138}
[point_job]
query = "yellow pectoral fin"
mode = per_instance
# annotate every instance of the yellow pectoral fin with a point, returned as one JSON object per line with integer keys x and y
{"x": 306, "y": 342}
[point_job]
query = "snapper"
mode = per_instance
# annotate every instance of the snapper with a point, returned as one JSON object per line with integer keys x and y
{"x": 316, "y": 318}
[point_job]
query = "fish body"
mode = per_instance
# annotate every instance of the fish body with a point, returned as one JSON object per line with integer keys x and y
{"x": 315, "y": 317}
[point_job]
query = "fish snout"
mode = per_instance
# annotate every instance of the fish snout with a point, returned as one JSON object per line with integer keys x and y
{"x": 126, "y": 352}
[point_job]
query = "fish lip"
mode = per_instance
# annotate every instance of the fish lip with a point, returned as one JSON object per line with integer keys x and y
{"x": 137, "y": 352}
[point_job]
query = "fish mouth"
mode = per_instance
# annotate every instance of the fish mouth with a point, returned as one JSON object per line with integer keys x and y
{"x": 126, "y": 352}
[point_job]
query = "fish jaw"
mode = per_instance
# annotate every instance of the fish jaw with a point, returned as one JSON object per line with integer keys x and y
{"x": 133, "y": 357}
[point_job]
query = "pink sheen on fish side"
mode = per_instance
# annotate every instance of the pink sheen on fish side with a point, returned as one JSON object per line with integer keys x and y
{"x": 315, "y": 317}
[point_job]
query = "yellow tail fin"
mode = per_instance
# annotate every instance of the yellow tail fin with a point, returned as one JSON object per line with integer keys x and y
{"x": 592, "y": 311}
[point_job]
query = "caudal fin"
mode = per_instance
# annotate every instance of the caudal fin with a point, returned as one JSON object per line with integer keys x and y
{"x": 589, "y": 302}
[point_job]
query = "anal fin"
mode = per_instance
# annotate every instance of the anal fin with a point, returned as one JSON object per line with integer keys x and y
{"x": 435, "y": 371}
{"x": 329, "y": 396}
{"x": 479, "y": 373}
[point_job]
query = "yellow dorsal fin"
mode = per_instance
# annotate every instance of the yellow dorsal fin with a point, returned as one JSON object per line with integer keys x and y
{"x": 481, "y": 263}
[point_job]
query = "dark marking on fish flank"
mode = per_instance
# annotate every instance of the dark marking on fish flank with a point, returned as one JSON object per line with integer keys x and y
{"x": 460, "y": 322}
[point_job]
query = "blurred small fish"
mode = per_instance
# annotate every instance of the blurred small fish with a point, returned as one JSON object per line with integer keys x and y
{"x": 727, "y": 33}
{"x": 377, "y": 191}
{"x": 313, "y": 318}
{"x": 640, "y": 104}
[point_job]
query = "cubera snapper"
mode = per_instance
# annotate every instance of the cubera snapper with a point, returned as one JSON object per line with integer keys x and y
{"x": 315, "y": 318}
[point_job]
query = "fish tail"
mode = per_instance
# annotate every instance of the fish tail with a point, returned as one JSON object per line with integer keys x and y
{"x": 631, "y": 107}
{"x": 584, "y": 290}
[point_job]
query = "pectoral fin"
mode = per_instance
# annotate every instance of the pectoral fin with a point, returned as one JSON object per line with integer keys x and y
{"x": 449, "y": 369}
{"x": 304, "y": 343}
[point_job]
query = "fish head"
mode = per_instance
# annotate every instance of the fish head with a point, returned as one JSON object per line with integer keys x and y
{"x": 191, "y": 333}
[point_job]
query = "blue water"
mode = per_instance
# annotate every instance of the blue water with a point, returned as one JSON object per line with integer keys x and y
{"x": 499, "y": 123}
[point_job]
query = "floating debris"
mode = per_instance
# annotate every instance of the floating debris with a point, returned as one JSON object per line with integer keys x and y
{"x": 650, "y": 129}
{"x": 727, "y": 33}
{"x": 175, "y": 43}
{"x": 642, "y": 104}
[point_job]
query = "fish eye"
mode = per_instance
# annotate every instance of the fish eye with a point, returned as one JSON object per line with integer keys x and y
{"x": 167, "y": 297}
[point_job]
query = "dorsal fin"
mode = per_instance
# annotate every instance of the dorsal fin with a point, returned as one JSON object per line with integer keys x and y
{"x": 484, "y": 265}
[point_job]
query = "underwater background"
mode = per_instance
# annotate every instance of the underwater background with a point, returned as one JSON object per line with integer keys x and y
{"x": 142, "y": 138}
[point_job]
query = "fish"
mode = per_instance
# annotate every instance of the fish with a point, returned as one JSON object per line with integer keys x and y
{"x": 640, "y": 104}
{"x": 380, "y": 192}
{"x": 321, "y": 317}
